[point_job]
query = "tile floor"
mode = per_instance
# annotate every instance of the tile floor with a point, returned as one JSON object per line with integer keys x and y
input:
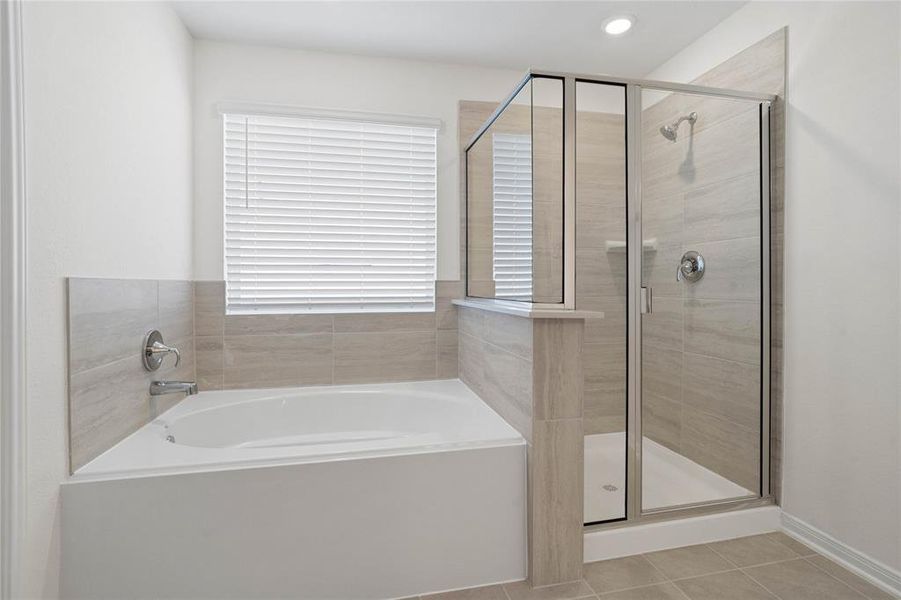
{"x": 771, "y": 566}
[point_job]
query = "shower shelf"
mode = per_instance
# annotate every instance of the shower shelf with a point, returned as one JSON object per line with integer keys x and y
{"x": 618, "y": 246}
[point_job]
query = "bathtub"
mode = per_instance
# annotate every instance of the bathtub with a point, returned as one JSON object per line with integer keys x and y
{"x": 359, "y": 491}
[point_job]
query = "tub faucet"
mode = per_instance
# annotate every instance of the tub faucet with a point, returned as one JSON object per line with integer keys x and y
{"x": 159, "y": 388}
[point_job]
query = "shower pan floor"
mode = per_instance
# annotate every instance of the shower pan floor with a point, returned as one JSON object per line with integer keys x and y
{"x": 668, "y": 478}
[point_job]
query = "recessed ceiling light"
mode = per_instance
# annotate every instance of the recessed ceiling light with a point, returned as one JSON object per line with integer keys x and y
{"x": 618, "y": 25}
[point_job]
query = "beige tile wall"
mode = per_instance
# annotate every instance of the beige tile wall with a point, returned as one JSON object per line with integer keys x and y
{"x": 108, "y": 387}
{"x": 529, "y": 373}
{"x": 701, "y": 344}
{"x": 240, "y": 351}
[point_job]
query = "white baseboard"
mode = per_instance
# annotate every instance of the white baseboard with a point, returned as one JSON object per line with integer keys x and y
{"x": 663, "y": 535}
{"x": 870, "y": 569}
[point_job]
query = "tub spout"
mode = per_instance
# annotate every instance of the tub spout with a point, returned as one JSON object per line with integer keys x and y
{"x": 159, "y": 388}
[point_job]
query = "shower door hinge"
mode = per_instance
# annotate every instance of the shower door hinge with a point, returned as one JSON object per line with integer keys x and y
{"x": 647, "y": 300}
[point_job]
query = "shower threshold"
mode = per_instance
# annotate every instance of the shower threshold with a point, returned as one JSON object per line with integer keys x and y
{"x": 668, "y": 478}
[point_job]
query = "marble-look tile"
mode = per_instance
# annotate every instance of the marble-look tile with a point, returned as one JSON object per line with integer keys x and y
{"x": 725, "y": 388}
{"x": 574, "y": 590}
{"x": 384, "y": 322}
{"x": 659, "y": 270}
{"x": 661, "y": 372}
{"x": 448, "y": 367}
{"x": 708, "y": 155}
{"x": 108, "y": 318}
{"x": 385, "y": 356}
{"x": 210, "y": 362}
{"x": 661, "y": 421}
{"x": 859, "y": 584}
{"x": 731, "y": 270}
{"x": 661, "y": 220}
{"x": 502, "y": 379}
{"x": 722, "y": 446}
{"x": 600, "y": 273}
{"x": 604, "y": 369}
{"x": 688, "y": 561}
{"x": 557, "y": 368}
{"x": 209, "y": 307}
{"x": 555, "y": 508}
{"x": 734, "y": 585}
{"x": 724, "y": 210}
{"x": 621, "y": 573}
{"x": 726, "y": 329}
{"x": 753, "y": 550}
{"x": 445, "y": 311}
{"x": 663, "y": 326}
{"x": 277, "y": 324}
{"x": 106, "y": 404}
{"x": 800, "y": 580}
{"x": 262, "y": 361}
{"x": 176, "y": 309}
{"x": 612, "y": 328}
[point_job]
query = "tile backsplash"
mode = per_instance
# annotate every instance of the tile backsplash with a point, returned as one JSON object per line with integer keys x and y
{"x": 108, "y": 387}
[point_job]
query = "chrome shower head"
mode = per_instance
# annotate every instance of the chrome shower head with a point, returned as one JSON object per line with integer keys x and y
{"x": 670, "y": 131}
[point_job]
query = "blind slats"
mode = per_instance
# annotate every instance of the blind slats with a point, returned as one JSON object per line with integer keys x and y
{"x": 328, "y": 215}
{"x": 512, "y": 215}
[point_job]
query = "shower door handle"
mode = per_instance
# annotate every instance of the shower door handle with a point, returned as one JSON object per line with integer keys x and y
{"x": 646, "y": 300}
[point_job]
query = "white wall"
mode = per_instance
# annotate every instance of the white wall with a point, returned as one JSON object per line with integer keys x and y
{"x": 841, "y": 469}
{"x": 108, "y": 142}
{"x": 228, "y": 72}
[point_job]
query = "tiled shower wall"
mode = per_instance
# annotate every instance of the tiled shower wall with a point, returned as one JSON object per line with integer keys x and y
{"x": 251, "y": 351}
{"x": 701, "y": 345}
{"x": 108, "y": 387}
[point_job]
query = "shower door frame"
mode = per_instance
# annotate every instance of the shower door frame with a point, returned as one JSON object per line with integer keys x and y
{"x": 634, "y": 513}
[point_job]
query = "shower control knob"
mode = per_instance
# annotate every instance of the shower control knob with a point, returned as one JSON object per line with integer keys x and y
{"x": 691, "y": 267}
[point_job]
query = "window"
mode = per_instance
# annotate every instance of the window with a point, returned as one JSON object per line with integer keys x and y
{"x": 328, "y": 215}
{"x": 512, "y": 224}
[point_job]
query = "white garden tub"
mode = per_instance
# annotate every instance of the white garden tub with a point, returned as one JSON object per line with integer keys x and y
{"x": 363, "y": 491}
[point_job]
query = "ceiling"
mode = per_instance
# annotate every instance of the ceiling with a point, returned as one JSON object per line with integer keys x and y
{"x": 558, "y": 35}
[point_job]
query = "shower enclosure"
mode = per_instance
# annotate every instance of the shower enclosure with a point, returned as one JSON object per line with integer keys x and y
{"x": 647, "y": 202}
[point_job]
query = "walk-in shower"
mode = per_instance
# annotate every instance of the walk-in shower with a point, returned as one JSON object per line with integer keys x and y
{"x": 647, "y": 202}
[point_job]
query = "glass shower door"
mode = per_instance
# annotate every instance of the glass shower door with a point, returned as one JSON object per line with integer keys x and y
{"x": 701, "y": 328}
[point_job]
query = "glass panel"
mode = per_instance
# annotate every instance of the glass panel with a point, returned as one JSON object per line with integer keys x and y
{"x": 515, "y": 200}
{"x": 601, "y": 286}
{"x": 701, "y": 341}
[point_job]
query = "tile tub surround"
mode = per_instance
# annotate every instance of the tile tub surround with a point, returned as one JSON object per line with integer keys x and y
{"x": 109, "y": 394}
{"x": 771, "y": 566}
{"x": 529, "y": 372}
{"x": 250, "y": 351}
{"x": 701, "y": 344}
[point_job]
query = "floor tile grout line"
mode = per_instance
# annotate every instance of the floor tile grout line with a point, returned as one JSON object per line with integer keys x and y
{"x": 814, "y": 565}
{"x": 655, "y": 567}
{"x": 721, "y": 555}
{"x": 765, "y": 588}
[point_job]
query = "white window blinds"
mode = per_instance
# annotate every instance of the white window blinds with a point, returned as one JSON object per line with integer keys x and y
{"x": 328, "y": 215}
{"x": 512, "y": 228}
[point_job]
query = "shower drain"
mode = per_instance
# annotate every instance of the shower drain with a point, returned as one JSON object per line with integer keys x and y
{"x": 610, "y": 487}
{"x": 170, "y": 439}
